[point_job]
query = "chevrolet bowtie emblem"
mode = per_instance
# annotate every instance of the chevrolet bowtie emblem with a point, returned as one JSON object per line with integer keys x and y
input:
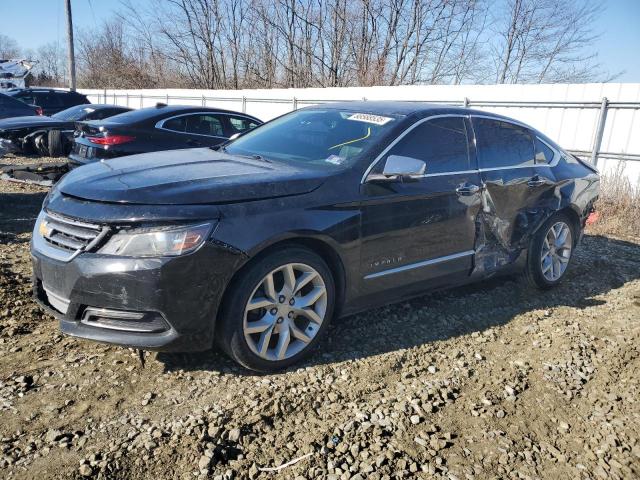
{"x": 44, "y": 229}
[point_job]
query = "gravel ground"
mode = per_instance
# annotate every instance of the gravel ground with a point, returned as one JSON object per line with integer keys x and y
{"x": 494, "y": 380}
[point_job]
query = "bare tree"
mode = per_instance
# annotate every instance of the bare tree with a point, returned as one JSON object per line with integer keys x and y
{"x": 233, "y": 44}
{"x": 51, "y": 68}
{"x": 545, "y": 41}
{"x": 8, "y": 47}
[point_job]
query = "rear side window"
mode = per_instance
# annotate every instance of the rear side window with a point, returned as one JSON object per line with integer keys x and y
{"x": 441, "y": 143}
{"x": 73, "y": 98}
{"x": 27, "y": 98}
{"x": 503, "y": 144}
{"x": 209, "y": 125}
{"x": 48, "y": 99}
{"x": 543, "y": 153}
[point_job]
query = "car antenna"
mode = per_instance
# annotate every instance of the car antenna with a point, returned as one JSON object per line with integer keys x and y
{"x": 160, "y": 105}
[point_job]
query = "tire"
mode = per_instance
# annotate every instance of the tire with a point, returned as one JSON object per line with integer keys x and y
{"x": 242, "y": 330}
{"x": 549, "y": 273}
{"x": 56, "y": 147}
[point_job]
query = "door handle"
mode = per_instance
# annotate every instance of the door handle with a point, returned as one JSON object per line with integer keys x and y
{"x": 536, "y": 181}
{"x": 193, "y": 143}
{"x": 467, "y": 189}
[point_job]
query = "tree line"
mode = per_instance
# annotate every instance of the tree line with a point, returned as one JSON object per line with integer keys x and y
{"x": 233, "y": 44}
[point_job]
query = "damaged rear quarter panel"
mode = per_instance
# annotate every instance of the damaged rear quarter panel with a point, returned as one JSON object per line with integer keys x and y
{"x": 513, "y": 210}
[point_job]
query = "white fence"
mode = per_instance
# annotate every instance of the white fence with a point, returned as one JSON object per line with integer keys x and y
{"x": 598, "y": 121}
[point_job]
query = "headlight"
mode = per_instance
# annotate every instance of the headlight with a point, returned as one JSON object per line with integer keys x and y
{"x": 157, "y": 242}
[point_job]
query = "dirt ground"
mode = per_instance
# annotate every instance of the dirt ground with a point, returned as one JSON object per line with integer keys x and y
{"x": 495, "y": 380}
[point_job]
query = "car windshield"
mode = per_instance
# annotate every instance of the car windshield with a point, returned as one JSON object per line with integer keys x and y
{"x": 326, "y": 138}
{"x": 74, "y": 113}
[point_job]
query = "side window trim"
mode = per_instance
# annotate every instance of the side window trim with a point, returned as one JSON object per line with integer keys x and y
{"x": 405, "y": 133}
{"x": 160, "y": 124}
{"x": 556, "y": 154}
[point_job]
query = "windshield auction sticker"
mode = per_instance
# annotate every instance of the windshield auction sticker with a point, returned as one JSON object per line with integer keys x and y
{"x": 369, "y": 118}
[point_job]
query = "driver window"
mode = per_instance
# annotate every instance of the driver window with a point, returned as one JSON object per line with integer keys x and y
{"x": 441, "y": 143}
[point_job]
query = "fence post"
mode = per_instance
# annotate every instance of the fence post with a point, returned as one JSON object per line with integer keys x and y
{"x": 204, "y": 101}
{"x": 244, "y": 104}
{"x": 466, "y": 102}
{"x": 127, "y": 99}
{"x": 167, "y": 99}
{"x": 141, "y": 97}
{"x": 105, "y": 95}
{"x": 597, "y": 138}
{"x": 295, "y": 103}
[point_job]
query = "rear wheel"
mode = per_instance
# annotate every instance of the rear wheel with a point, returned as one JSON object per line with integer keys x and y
{"x": 277, "y": 311}
{"x": 56, "y": 147}
{"x": 550, "y": 251}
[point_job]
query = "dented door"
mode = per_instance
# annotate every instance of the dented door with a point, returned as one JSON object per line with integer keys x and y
{"x": 512, "y": 189}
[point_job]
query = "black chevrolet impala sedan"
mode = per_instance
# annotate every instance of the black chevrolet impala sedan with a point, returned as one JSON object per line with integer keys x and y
{"x": 323, "y": 212}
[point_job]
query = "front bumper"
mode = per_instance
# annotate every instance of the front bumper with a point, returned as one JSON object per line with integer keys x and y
{"x": 167, "y": 304}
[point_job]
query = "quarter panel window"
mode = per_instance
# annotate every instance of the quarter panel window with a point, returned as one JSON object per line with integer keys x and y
{"x": 240, "y": 124}
{"x": 441, "y": 143}
{"x": 543, "y": 153}
{"x": 503, "y": 144}
{"x": 176, "y": 124}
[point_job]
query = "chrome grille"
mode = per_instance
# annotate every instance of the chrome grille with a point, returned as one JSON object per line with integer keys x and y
{"x": 63, "y": 238}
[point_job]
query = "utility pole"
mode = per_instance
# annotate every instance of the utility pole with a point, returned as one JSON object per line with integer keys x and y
{"x": 71, "y": 59}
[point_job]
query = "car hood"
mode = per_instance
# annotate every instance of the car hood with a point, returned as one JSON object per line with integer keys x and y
{"x": 28, "y": 121}
{"x": 187, "y": 177}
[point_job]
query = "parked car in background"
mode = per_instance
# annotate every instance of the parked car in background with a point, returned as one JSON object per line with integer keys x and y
{"x": 156, "y": 128}
{"x": 10, "y": 107}
{"x": 51, "y": 100}
{"x": 50, "y": 136}
{"x": 324, "y": 211}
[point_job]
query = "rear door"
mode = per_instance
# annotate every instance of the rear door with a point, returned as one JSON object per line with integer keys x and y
{"x": 423, "y": 229}
{"x": 506, "y": 157}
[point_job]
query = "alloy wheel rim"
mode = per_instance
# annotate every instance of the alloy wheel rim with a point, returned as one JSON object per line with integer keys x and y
{"x": 556, "y": 251}
{"x": 285, "y": 311}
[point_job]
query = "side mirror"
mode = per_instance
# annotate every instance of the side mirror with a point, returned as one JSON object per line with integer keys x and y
{"x": 234, "y": 136}
{"x": 398, "y": 167}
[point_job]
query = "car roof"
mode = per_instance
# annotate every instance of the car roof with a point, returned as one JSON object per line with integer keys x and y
{"x": 101, "y": 106}
{"x": 162, "y": 111}
{"x": 43, "y": 89}
{"x": 418, "y": 108}
{"x": 162, "y": 108}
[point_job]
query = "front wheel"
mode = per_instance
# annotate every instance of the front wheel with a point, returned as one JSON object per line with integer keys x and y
{"x": 277, "y": 310}
{"x": 550, "y": 251}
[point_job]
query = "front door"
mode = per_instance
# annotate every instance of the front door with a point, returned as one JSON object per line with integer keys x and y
{"x": 423, "y": 229}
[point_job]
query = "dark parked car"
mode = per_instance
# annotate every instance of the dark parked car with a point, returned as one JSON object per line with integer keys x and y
{"x": 325, "y": 211}
{"x": 156, "y": 128}
{"x": 50, "y": 135}
{"x": 50, "y": 100}
{"x": 10, "y": 107}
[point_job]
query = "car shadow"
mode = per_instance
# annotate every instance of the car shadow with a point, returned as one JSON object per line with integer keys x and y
{"x": 601, "y": 264}
{"x": 18, "y": 213}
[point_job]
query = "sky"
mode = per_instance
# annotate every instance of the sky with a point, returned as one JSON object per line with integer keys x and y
{"x": 35, "y": 22}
